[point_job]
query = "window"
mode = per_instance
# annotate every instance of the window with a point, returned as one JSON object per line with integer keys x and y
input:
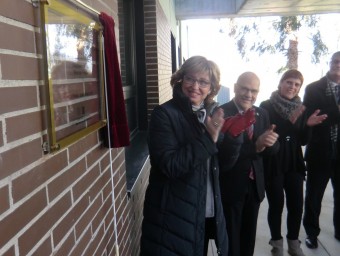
{"x": 74, "y": 60}
{"x": 134, "y": 81}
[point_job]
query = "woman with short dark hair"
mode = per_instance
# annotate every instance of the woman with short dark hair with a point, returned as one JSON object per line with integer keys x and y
{"x": 285, "y": 171}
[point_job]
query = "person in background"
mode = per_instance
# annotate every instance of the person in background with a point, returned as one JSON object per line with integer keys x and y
{"x": 285, "y": 171}
{"x": 322, "y": 151}
{"x": 242, "y": 183}
{"x": 182, "y": 207}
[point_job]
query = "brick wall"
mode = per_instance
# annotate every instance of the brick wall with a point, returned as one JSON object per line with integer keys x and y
{"x": 158, "y": 54}
{"x": 163, "y": 55}
{"x": 61, "y": 203}
{"x": 72, "y": 202}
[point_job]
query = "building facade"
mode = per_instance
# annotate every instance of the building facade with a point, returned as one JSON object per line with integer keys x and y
{"x": 79, "y": 199}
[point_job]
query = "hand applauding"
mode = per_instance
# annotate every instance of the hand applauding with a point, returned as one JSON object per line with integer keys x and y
{"x": 314, "y": 119}
{"x": 214, "y": 123}
{"x": 237, "y": 124}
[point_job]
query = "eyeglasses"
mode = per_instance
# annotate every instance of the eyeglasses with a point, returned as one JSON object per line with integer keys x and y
{"x": 191, "y": 81}
{"x": 245, "y": 90}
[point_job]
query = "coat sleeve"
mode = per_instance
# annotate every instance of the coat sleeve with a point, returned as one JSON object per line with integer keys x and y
{"x": 173, "y": 149}
{"x": 315, "y": 98}
{"x": 229, "y": 148}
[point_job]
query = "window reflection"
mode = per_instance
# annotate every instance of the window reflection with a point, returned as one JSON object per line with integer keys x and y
{"x": 73, "y": 56}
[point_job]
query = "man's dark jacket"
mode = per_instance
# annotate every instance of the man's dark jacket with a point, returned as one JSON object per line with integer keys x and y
{"x": 319, "y": 147}
{"x": 175, "y": 200}
{"x": 234, "y": 179}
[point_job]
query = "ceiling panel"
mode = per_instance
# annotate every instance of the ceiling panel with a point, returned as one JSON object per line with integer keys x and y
{"x": 288, "y": 7}
{"x": 187, "y": 9}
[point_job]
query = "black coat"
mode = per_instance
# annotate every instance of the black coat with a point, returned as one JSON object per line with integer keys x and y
{"x": 234, "y": 179}
{"x": 291, "y": 138}
{"x": 319, "y": 146}
{"x": 174, "y": 207}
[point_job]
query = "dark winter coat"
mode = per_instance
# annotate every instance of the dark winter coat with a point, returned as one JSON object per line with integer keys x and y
{"x": 291, "y": 138}
{"x": 319, "y": 147}
{"x": 234, "y": 179}
{"x": 175, "y": 200}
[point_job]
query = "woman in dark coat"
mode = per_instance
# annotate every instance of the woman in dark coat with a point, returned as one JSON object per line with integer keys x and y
{"x": 182, "y": 207}
{"x": 285, "y": 171}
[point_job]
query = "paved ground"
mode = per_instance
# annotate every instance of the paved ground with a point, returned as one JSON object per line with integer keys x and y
{"x": 328, "y": 246}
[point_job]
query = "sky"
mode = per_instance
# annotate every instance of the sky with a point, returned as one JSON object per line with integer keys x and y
{"x": 209, "y": 37}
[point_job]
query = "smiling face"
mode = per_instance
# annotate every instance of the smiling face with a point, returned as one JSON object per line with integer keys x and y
{"x": 246, "y": 90}
{"x": 290, "y": 87}
{"x": 196, "y": 86}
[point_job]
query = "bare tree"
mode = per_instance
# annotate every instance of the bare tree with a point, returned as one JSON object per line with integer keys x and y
{"x": 285, "y": 31}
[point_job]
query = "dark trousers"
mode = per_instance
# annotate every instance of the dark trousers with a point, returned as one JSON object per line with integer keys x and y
{"x": 210, "y": 233}
{"x": 318, "y": 176}
{"x": 241, "y": 219}
{"x": 291, "y": 184}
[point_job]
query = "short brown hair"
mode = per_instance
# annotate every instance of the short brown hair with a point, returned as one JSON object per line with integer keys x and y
{"x": 197, "y": 64}
{"x": 292, "y": 73}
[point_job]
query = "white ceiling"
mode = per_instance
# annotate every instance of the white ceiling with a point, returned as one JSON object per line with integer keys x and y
{"x": 188, "y": 9}
{"x": 288, "y": 7}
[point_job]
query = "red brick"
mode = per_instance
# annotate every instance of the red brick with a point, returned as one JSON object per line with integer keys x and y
{"x": 99, "y": 219}
{"x": 80, "y": 147}
{"x": 66, "y": 247}
{"x": 43, "y": 95}
{"x": 109, "y": 219}
{"x": 98, "y": 185}
{"x": 26, "y": 13}
{"x": 21, "y": 216}
{"x": 24, "y": 125}
{"x": 105, "y": 162}
{"x": 17, "y": 39}
{"x": 39, "y": 43}
{"x": 64, "y": 181}
{"x": 107, "y": 190}
{"x": 93, "y": 244}
{"x": 81, "y": 244}
{"x": 1, "y": 138}
{"x": 69, "y": 220}
{"x": 102, "y": 241}
{"x": 29, "y": 67}
{"x": 95, "y": 154}
{"x": 4, "y": 199}
{"x": 24, "y": 155}
{"x": 85, "y": 182}
{"x": 27, "y": 96}
{"x": 29, "y": 181}
{"x": 33, "y": 234}
{"x": 9, "y": 252}
{"x": 44, "y": 249}
{"x": 85, "y": 221}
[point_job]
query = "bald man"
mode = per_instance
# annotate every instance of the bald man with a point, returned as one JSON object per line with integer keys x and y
{"x": 242, "y": 185}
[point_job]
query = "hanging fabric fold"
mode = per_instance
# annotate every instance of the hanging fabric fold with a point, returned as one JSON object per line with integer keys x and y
{"x": 119, "y": 135}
